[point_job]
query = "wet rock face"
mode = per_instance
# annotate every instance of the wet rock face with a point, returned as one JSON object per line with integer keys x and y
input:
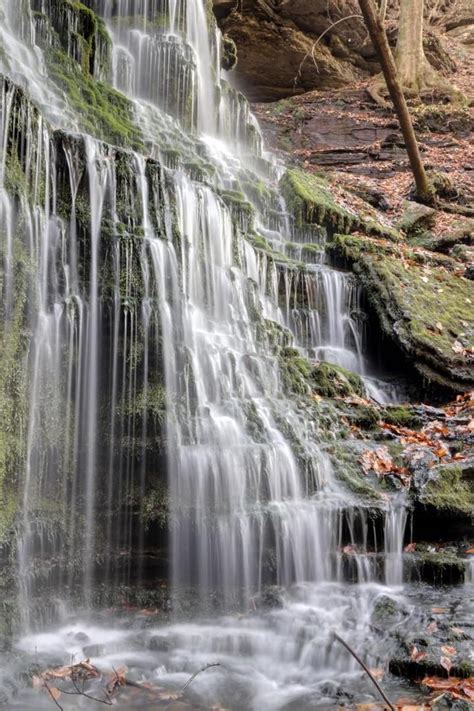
{"x": 275, "y": 53}
{"x": 288, "y": 47}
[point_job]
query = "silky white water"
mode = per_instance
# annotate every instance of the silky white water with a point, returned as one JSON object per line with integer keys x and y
{"x": 156, "y": 326}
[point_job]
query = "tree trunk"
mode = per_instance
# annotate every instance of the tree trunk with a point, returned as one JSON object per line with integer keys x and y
{"x": 412, "y": 64}
{"x": 380, "y": 42}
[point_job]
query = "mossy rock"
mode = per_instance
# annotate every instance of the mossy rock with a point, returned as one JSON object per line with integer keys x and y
{"x": 438, "y": 567}
{"x": 416, "y": 218}
{"x": 330, "y": 380}
{"x": 295, "y": 371}
{"x": 345, "y": 462}
{"x": 401, "y": 416}
{"x": 447, "y": 491}
{"x": 311, "y": 201}
{"x": 102, "y": 111}
{"x": 420, "y": 303}
{"x": 443, "y": 118}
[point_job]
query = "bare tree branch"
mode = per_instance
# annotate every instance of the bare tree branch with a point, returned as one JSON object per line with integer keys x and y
{"x": 51, "y": 695}
{"x": 316, "y": 42}
{"x": 208, "y": 666}
{"x": 366, "y": 669}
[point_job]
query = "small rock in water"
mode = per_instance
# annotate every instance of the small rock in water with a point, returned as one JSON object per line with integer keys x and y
{"x": 94, "y": 650}
{"x": 159, "y": 644}
{"x": 81, "y": 637}
{"x": 387, "y": 611}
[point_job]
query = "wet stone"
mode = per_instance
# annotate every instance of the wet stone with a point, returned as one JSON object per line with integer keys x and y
{"x": 387, "y": 612}
{"x": 94, "y": 650}
{"x": 158, "y": 643}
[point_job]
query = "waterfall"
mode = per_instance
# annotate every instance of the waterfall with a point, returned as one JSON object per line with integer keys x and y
{"x": 157, "y": 325}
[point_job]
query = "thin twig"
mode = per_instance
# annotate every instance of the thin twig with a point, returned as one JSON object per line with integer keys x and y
{"x": 107, "y": 701}
{"x": 52, "y": 695}
{"x": 313, "y": 47}
{"x": 366, "y": 669}
{"x": 208, "y": 666}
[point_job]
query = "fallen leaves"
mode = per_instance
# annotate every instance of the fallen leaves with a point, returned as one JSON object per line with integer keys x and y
{"x": 461, "y": 350}
{"x": 462, "y": 689}
{"x": 380, "y": 461}
{"x": 449, "y": 651}
{"x": 446, "y": 663}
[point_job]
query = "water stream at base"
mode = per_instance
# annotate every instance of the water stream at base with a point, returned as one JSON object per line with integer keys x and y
{"x": 193, "y": 312}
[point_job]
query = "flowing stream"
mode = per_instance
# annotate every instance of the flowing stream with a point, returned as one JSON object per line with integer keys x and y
{"x": 154, "y": 365}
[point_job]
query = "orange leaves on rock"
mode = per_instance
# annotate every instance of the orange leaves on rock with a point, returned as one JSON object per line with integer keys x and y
{"x": 410, "y": 548}
{"x": 449, "y": 651}
{"x": 467, "y": 687}
{"x": 380, "y": 461}
{"x": 462, "y": 403}
{"x": 438, "y": 683}
{"x": 377, "y": 460}
{"x": 432, "y": 627}
{"x": 459, "y": 688}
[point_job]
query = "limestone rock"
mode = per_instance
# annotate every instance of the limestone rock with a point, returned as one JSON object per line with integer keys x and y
{"x": 276, "y": 57}
{"x": 423, "y": 306}
{"x": 416, "y": 217}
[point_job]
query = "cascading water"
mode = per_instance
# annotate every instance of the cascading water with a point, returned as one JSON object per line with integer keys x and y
{"x": 158, "y": 325}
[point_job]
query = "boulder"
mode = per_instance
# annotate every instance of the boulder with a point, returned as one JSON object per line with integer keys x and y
{"x": 276, "y": 57}
{"x": 421, "y": 302}
{"x": 416, "y": 218}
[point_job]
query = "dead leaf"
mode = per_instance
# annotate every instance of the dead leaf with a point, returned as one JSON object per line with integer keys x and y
{"x": 449, "y": 651}
{"x": 446, "y": 663}
{"x": 467, "y": 688}
{"x": 410, "y": 548}
{"x": 438, "y": 683}
{"x": 432, "y": 627}
{"x": 416, "y": 655}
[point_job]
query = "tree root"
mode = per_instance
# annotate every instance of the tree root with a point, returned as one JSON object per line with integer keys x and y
{"x": 430, "y": 85}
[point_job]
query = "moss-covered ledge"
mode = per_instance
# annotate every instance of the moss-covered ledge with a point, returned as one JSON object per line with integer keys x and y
{"x": 425, "y": 305}
{"x": 310, "y": 199}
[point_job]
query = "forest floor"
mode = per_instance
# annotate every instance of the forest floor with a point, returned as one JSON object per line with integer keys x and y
{"x": 343, "y": 133}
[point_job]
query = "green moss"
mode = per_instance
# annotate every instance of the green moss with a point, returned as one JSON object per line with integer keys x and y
{"x": 295, "y": 371}
{"x": 438, "y": 567}
{"x": 79, "y": 32}
{"x": 446, "y": 491}
{"x": 13, "y": 393}
{"x": 310, "y": 199}
{"x": 347, "y": 470}
{"x": 446, "y": 118}
{"x": 402, "y": 416}
{"x": 103, "y": 111}
{"x": 330, "y": 380}
{"x": 420, "y": 302}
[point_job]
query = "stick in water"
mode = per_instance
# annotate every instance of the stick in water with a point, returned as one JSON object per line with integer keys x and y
{"x": 366, "y": 669}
